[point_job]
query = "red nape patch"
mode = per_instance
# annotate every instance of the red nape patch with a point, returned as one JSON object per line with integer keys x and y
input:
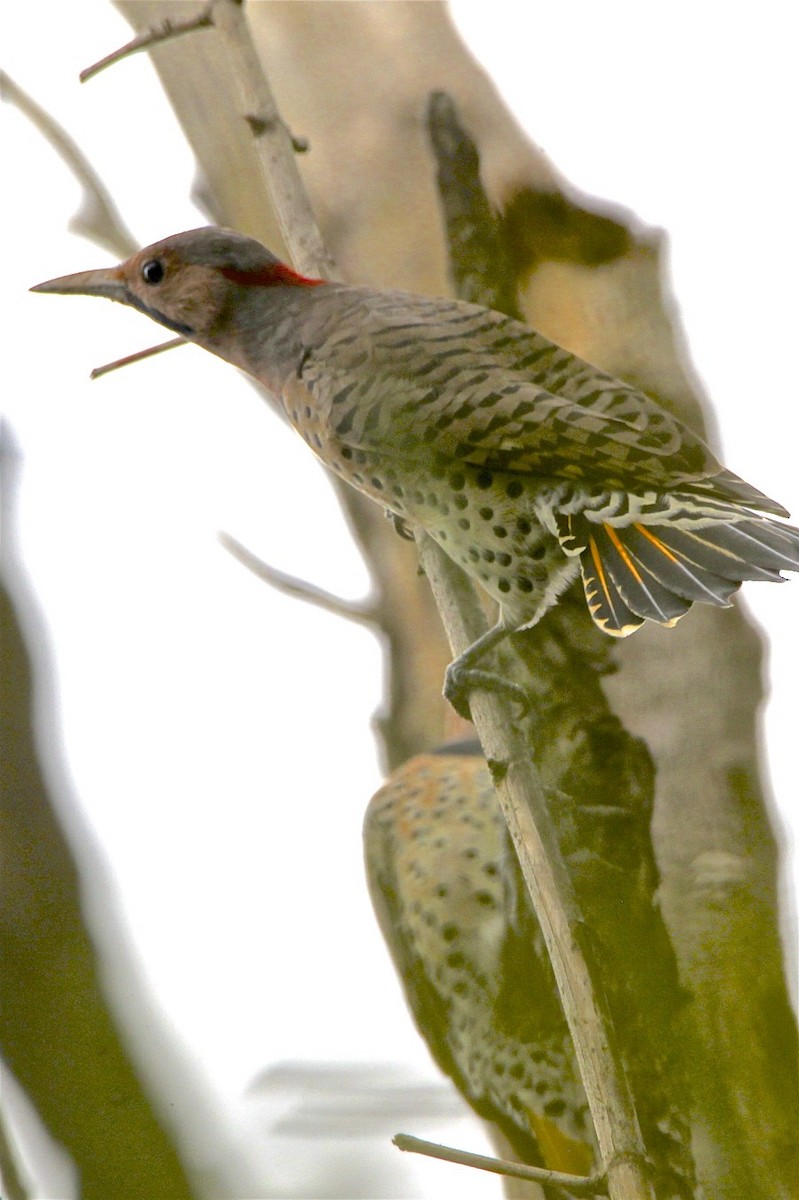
{"x": 276, "y": 273}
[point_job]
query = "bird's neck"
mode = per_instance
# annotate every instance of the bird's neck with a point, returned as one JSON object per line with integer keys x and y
{"x": 261, "y": 331}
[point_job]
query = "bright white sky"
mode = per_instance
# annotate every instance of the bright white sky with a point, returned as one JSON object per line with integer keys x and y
{"x": 224, "y": 789}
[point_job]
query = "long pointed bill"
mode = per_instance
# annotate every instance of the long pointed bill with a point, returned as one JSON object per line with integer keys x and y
{"x": 108, "y": 282}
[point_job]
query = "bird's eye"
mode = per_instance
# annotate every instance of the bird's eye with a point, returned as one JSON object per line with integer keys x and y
{"x": 152, "y": 271}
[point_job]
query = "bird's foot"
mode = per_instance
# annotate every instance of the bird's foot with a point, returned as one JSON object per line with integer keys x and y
{"x": 460, "y": 681}
{"x": 463, "y": 676}
{"x": 401, "y": 526}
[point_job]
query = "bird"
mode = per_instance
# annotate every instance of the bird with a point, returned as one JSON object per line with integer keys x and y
{"x": 454, "y": 911}
{"x": 527, "y": 465}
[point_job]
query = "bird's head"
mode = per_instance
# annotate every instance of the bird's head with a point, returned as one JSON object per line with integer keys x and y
{"x": 189, "y": 282}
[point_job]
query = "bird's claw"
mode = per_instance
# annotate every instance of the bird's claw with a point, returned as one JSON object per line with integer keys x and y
{"x": 460, "y": 681}
{"x": 401, "y": 526}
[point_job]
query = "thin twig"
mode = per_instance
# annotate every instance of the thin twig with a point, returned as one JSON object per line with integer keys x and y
{"x": 518, "y": 784}
{"x": 97, "y": 218}
{"x": 159, "y": 33}
{"x": 577, "y": 1185}
{"x": 360, "y": 612}
{"x": 137, "y": 357}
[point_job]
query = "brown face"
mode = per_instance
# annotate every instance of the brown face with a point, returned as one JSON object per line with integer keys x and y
{"x": 186, "y": 297}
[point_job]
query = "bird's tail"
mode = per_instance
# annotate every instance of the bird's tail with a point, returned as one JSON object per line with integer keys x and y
{"x": 654, "y": 572}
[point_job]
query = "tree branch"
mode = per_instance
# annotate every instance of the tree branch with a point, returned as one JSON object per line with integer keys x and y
{"x": 97, "y": 218}
{"x": 274, "y": 145}
{"x": 478, "y": 255}
{"x": 145, "y": 41}
{"x": 576, "y": 1185}
{"x": 359, "y": 612}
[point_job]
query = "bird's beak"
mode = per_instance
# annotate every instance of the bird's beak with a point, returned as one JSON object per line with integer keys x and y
{"x": 108, "y": 282}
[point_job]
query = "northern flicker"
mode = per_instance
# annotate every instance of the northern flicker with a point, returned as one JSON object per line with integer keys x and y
{"x": 454, "y": 911}
{"x": 526, "y": 464}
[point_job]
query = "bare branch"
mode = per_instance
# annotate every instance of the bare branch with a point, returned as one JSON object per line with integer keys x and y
{"x": 577, "y": 1185}
{"x": 137, "y": 357}
{"x": 159, "y": 33}
{"x": 275, "y": 146}
{"x": 361, "y": 613}
{"x": 97, "y": 218}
